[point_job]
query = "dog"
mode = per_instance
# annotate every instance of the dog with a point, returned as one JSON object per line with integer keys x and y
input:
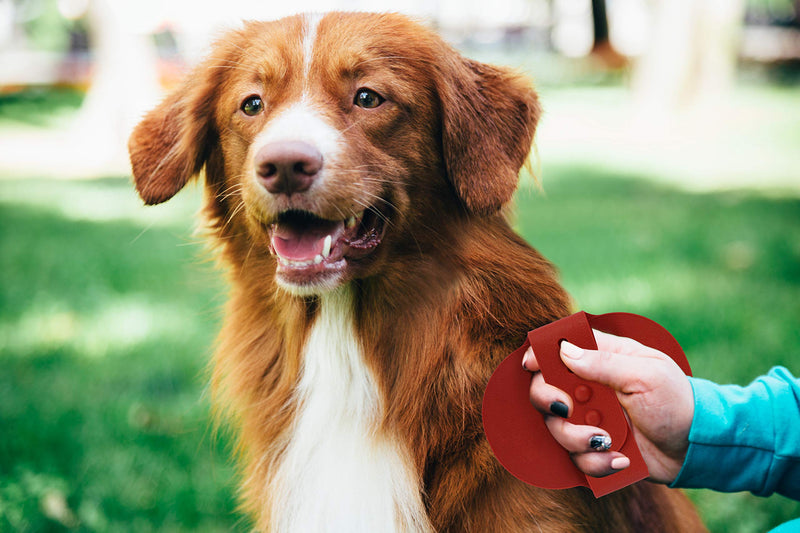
{"x": 357, "y": 175}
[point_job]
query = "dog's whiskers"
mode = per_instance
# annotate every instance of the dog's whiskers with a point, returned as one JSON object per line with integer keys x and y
{"x": 376, "y": 210}
{"x": 236, "y": 210}
{"x": 237, "y": 134}
{"x": 351, "y": 126}
{"x": 231, "y": 190}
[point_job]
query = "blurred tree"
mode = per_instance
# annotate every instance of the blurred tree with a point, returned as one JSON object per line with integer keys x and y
{"x": 691, "y": 58}
{"x": 600, "y": 22}
{"x": 125, "y": 81}
{"x": 601, "y": 46}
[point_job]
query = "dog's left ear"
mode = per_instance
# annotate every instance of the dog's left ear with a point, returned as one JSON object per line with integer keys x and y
{"x": 489, "y": 117}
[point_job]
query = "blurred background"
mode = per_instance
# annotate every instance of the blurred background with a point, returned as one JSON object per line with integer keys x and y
{"x": 667, "y": 184}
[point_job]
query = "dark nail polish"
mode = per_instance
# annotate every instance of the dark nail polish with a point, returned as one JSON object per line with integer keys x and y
{"x": 559, "y": 409}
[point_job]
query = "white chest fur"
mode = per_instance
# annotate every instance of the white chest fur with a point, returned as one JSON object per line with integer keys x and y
{"x": 339, "y": 473}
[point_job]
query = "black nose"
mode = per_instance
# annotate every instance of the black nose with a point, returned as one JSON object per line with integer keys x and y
{"x": 286, "y": 167}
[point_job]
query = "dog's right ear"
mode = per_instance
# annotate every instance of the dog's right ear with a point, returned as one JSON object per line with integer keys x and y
{"x": 171, "y": 144}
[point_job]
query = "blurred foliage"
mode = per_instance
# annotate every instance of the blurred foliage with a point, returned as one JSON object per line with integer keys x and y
{"x": 780, "y": 11}
{"x": 45, "y": 27}
{"x": 38, "y": 106}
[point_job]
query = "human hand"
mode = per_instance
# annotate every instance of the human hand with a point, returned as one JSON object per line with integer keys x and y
{"x": 652, "y": 389}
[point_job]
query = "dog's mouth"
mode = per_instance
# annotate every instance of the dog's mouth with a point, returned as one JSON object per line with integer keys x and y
{"x": 308, "y": 246}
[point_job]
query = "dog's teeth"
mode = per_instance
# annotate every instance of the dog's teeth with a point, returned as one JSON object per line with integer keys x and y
{"x": 326, "y": 247}
{"x": 299, "y": 264}
{"x": 351, "y": 222}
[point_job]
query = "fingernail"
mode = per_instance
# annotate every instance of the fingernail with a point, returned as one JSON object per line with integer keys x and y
{"x": 559, "y": 409}
{"x": 620, "y": 463}
{"x": 600, "y": 443}
{"x": 570, "y": 350}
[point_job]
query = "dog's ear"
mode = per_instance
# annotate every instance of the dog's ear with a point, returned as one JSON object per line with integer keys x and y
{"x": 171, "y": 144}
{"x": 489, "y": 117}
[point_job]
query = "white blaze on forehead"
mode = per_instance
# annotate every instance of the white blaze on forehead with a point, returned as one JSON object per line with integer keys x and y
{"x": 301, "y": 122}
{"x": 310, "y": 35}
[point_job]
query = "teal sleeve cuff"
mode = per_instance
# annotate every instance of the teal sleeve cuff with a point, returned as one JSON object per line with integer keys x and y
{"x": 745, "y": 438}
{"x": 789, "y": 527}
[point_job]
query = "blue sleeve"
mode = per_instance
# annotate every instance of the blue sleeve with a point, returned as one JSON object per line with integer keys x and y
{"x": 745, "y": 438}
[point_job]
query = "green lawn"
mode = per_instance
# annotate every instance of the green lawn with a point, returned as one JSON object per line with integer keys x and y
{"x": 105, "y": 325}
{"x": 108, "y": 311}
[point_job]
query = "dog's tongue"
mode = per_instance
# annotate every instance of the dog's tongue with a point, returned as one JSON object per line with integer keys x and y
{"x": 298, "y": 241}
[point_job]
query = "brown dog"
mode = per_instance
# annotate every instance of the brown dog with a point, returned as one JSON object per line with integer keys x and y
{"x": 356, "y": 168}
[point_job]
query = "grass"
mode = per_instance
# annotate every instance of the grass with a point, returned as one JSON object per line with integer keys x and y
{"x": 105, "y": 328}
{"x": 108, "y": 312}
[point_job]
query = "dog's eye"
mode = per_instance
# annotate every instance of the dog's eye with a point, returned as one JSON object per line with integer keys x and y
{"x": 252, "y": 106}
{"x": 367, "y": 98}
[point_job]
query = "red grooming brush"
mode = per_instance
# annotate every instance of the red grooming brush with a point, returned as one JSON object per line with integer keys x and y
{"x": 516, "y": 430}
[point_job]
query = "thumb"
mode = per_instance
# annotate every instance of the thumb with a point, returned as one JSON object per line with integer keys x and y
{"x": 619, "y": 371}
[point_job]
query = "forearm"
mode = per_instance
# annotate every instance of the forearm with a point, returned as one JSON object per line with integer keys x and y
{"x": 745, "y": 438}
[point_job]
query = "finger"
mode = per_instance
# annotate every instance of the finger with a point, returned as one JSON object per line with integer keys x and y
{"x": 606, "y": 342}
{"x": 600, "y": 464}
{"x": 625, "y": 373}
{"x": 529, "y": 361}
{"x": 548, "y": 399}
{"x": 578, "y": 439}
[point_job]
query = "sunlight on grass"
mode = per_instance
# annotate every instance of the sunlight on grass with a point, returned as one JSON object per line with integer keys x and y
{"x": 102, "y": 200}
{"x": 747, "y": 140}
{"x": 115, "y": 326}
{"x": 108, "y": 311}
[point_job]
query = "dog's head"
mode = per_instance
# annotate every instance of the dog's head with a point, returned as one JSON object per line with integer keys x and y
{"x": 329, "y": 140}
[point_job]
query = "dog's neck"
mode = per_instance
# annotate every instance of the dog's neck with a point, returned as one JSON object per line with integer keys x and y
{"x": 341, "y": 470}
{"x": 333, "y": 363}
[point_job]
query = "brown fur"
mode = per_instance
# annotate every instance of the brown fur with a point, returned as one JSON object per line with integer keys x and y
{"x": 447, "y": 295}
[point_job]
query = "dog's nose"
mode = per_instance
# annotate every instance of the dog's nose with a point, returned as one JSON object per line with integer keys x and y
{"x": 286, "y": 167}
